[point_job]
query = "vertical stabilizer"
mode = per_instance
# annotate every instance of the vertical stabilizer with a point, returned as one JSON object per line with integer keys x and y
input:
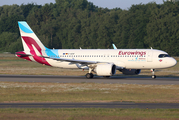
{"x": 33, "y": 47}
{"x": 29, "y": 39}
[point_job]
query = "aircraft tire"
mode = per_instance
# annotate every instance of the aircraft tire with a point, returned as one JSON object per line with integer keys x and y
{"x": 89, "y": 75}
{"x": 153, "y": 76}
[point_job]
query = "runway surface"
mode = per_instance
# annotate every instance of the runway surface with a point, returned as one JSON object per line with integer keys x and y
{"x": 82, "y": 79}
{"x": 92, "y": 105}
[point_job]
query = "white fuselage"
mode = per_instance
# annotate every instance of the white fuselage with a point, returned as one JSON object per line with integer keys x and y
{"x": 122, "y": 58}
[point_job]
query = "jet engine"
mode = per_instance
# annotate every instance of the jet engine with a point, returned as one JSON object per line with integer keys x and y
{"x": 131, "y": 71}
{"x": 105, "y": 69}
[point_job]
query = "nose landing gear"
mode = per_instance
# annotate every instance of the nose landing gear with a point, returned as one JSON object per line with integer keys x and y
{"x": 153, "y": 73}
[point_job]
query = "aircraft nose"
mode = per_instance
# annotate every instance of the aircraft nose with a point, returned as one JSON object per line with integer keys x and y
{"x": 173, "y": 62}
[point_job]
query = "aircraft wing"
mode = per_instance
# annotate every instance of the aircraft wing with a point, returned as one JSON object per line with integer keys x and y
{"x": 86, "y": 62}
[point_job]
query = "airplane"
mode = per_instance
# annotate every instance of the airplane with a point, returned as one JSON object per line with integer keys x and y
{"x": 102, "y": 62}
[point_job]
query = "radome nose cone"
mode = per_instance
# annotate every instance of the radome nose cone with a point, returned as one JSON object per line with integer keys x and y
{"x": 173, "y": 62}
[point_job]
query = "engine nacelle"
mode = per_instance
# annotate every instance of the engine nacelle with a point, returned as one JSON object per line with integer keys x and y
{"x": 105, "y": 69}
{"x": 131, "y": 71}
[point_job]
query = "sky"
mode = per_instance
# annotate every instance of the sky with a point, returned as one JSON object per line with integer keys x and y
{"x": 123, "y": 4}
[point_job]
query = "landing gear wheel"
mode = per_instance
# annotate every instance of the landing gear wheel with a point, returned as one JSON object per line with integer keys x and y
{"x": 153, "y": 76}
{"x": 89, "y": 75}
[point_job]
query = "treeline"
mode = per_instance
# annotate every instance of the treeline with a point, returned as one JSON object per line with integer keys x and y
{"x": 70, "y": 24}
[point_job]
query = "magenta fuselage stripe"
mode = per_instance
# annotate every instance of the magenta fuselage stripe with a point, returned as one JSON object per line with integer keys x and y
{"x": 30, "y": 41}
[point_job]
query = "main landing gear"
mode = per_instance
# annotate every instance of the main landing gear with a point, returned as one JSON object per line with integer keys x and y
{"x": 89, "y": 75}
{"x": 153, "y": 73}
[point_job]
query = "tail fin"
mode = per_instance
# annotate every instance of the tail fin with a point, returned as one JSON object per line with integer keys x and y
{"x": 33, "y": 48}
{"x": 29, "y": 40}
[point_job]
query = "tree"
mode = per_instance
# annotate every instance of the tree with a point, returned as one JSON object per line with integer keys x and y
{"x": 6, "y": 40}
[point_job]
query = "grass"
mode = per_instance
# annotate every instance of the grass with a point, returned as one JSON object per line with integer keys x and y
{"x": 31, "y": 68}
{"x": 89, "y": 114}
{"x": 9, "y": 64}
{"x": 87, "y": 92}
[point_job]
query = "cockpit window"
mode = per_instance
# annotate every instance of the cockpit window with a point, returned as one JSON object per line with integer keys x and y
{"x": 163, "y": 55}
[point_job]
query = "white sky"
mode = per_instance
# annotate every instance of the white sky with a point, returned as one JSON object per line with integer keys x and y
{"x": 123, "y": 4}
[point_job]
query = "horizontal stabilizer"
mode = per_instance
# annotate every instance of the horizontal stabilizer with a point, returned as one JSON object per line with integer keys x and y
{"x": 23, "y": 54}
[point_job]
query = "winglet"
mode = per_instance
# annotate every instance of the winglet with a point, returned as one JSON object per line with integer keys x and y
{"x": 114, "y": 46}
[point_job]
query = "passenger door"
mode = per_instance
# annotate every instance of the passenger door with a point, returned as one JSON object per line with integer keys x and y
{"x": 150, "y": 56}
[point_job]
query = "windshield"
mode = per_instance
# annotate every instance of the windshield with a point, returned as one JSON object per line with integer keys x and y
{"x": 163, "y": 55}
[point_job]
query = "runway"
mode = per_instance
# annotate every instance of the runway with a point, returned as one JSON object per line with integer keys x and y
{"x": 96, "y": 79}
{"x": 124, "y": 105}
{"x": 82, "y": 79}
